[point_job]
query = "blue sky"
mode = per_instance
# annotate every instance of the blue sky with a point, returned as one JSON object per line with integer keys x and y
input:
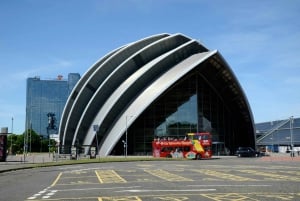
{"x": 260, "y": 40}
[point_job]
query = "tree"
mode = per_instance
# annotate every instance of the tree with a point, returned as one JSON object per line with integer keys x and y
{"x": 34, "y": 143}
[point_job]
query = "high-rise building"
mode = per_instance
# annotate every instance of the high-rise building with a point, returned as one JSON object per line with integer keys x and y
{"x": 47, "y": 98}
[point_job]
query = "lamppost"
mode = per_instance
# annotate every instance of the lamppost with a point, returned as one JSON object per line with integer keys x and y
{"x": 128, "y": 117}
{"x": 30, "y": 127}
{"x": 291, "y": 133}
{"x": 125, "y": 145}
{"x": 30, "y": 137}
{"x": 25, "y": 138}
{"x": 96, "y": 129}
{"x": 51, "y": 126}
{"x": 41, "y": 141}
{"x": 12, "y": 131}
{"x": 272, "y": 138}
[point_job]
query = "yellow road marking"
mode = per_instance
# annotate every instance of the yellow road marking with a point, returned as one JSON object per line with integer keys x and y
{"x": 78, "y": 177}
{"x": 223, "y": 175}
{"x": 272, "y": 175}
{"x": 250, "y": 196}
{"x": 228, "y": 196}
{"x": 99, "y": 177}
{"x": 167, "y": 175}
{"x": 56, "y": 180}
{"x": 125, "y": 198}
{"x": 109, "y": 176}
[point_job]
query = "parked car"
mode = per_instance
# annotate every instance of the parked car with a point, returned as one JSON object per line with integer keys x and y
{"x": 246, "y": 152}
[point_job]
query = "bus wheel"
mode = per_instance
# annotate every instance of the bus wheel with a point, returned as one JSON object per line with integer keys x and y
{"x": 198, "y": 157}
{"x": 169, "y": 156}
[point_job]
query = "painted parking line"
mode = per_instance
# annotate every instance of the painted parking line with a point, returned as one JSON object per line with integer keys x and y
{"x": 120, "y": 198}
{"x": 165, "y": 175}
{"x": 291, "y": 172}
{"x": 74, "y": 178}
{"x": 232, "y": 196}
{"x": 109, "y": 176}
{"x": 223, "y": 175}
{"x": 251, "y": 196}
{"x": 49, "y": 192}
{"x": 166, "y": 190}
{"x": 56, "y": 180}
{"x": 272, "y": 175}
{"x": 227, "y": 196}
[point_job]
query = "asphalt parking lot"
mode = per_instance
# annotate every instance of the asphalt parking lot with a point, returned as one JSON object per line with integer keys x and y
{"x": 217, "y": 179}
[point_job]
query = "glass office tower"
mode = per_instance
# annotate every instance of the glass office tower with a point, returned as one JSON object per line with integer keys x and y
{"x": 44, "y": 97}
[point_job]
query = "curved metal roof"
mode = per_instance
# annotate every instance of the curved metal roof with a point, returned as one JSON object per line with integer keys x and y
{"x": 91, "y": 81}
{"x": 127, "y": 80}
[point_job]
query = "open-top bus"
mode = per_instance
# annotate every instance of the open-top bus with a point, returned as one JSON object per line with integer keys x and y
{"x": 193, "y": 146}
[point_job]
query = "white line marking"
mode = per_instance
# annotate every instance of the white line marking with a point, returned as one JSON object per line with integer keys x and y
{"x": 66, "y": 168}
{"x": 88, "y": 189}
{"x": 50, "y": 194}
{"x": 242, "y": 185}
{"x": 187, "y": 190}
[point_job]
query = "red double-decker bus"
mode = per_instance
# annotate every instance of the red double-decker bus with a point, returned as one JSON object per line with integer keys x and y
{"x": 193, "y": 146}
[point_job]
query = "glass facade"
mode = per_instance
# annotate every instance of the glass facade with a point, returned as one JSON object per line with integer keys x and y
{"x": 192, "y": 105}
{"x": 72, "y": 81}
{"x": 47, "y": 96}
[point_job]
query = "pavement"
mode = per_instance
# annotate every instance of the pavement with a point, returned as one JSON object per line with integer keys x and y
{"x": 17, "y": 162}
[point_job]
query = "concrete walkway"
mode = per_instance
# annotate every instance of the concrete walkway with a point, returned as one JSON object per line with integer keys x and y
{"x": 30, "y": 158}
{"x": 281, "y": 157}
{"x": 14, "y": 162}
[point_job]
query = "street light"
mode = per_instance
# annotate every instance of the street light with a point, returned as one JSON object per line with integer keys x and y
{"x": 25, "y": 141}
{"x": 126, "y": 140}
{"x": 272, "y": 138}
{"x": 51, "y": 126}
{"x": 125, "y": 145}
{"x": 291, "y": 133}
{"x": 12, "y": 131}
{"x": 96, "y": 129}
{"x": 30, "y": 137}
{"x": 30, "y": 127}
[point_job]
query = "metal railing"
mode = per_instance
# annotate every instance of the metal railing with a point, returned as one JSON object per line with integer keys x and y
{"x": 275, "y": 128}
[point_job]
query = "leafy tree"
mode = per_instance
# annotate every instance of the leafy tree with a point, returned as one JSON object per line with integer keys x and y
{"x": 35, "y": 143}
